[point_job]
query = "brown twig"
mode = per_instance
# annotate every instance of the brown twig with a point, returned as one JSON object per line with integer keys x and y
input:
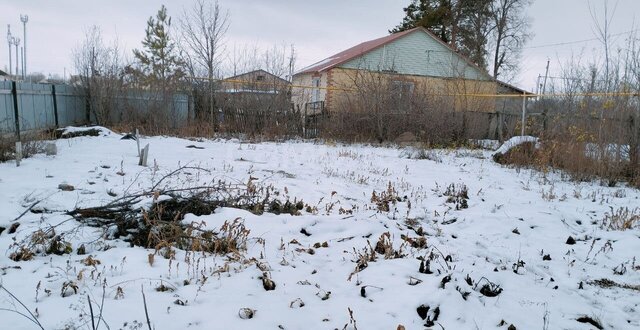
{"x": 27, "y": 210}
{"x": 93, "y": 323}
{"x": 146, "y": 311}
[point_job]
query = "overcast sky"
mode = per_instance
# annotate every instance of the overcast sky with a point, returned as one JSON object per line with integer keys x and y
{"x": 318, "y": 29}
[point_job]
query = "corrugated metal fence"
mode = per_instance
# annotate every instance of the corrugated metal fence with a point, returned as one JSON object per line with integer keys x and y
{"x": 47, "y": 106}
{"x": 37, "y": 106}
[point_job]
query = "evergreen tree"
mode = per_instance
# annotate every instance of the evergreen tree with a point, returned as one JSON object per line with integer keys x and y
{"x": 475, "y": 28}
{"x": 433, "y": 15}
{"x": 158, "y": 61}
{"x": 463, "y": 24}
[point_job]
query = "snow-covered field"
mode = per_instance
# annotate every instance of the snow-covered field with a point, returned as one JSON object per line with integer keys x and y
{"x": 501, "y": 261}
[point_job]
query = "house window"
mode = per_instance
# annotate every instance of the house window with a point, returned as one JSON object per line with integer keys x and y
{"x": 401, "y": 94}
{"x": 260, "y": 78}
{"x": 315, "y": 95}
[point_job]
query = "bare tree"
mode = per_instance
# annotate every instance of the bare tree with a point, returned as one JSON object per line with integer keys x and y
{"x": 510, "y": 32}
{"x": 277, "y": 60}
{"x": 100, "y": 71}
{"x": 244, "y": 58}
{"x": 204, "y": 27}
{"x": 603, "y": 33}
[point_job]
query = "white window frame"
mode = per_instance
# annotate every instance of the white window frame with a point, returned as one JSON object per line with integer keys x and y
{"x": 315, "y": 94}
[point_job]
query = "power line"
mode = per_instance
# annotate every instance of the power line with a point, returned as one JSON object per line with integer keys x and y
{"x": 477, "y": 95}
{"x": 577, "y": 41}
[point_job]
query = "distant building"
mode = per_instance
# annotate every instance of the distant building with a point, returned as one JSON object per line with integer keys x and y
{"x": 510, "y": 104}
{"x": 256, "y": 82}
{"x": 257, "y": 90}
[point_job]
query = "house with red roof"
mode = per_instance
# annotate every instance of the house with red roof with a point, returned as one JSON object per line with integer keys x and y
{"x": 410, "y": 63}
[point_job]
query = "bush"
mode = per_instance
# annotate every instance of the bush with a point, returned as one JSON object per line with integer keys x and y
{"x": 32, "y": 144}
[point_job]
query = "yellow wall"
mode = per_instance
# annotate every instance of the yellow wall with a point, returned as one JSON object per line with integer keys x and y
{"x": 301, "y": 89}
{"x": 345, "y": 85}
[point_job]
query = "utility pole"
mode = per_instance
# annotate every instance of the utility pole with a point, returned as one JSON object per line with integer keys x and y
{"x": 16, "y": 41}
{"x": 10, "y": 41}
{"x": 544, "y": 90}
{"x": 22, "y": 59}
{"x": 546, "y": 75}
{"x": 24, "y": 19}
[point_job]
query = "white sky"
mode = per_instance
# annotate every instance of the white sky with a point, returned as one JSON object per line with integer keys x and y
{"x": 318, "y": 29}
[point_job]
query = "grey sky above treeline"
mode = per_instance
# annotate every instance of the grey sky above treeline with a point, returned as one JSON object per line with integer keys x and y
{"x": 318, "y": 29}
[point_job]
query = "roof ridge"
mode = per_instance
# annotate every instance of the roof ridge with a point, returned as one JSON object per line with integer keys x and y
{"x": 355, "y": 51}
{"x": 351, "y": 53}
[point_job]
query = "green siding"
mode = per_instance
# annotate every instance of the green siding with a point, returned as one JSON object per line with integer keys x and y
{"x": 417, "y": 54}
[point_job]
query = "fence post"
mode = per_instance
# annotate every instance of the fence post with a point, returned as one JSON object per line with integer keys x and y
{"x": 55, "y": 104}
{"x": 304, "y": 122}
{"x": 464, "y": 125}
{"x": 87, "y": 105}
{"x": 14, "y": 93}
{"x": 524, "y": 112}
{"x": 500, "y": 126}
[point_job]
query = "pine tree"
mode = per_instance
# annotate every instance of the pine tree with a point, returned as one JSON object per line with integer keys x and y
{"x": 463, "y": 24}
{"x": 158, "y": 62}
{"x": 433, "y": 15}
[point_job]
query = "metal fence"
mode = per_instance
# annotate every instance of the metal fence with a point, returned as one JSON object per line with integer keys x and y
{"x": 39, "y": 106}
{"x": 48, "y": 106}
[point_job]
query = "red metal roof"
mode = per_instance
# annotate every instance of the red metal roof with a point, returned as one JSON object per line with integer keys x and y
{"x": 367, "y": 46}
{"x": 354, "y": 52}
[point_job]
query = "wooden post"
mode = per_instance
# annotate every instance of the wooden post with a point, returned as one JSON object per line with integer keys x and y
{"x": 144, "y": 155}
{"x": 524, "y": 113}
{"x": 55, "y": 104}
{"x": 500, "y": 125}
{"x": 138, "y": 141}
{"x": 18, "y": 153}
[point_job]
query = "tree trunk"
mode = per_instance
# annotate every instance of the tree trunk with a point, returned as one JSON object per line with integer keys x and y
{"x": 211, "y": 105}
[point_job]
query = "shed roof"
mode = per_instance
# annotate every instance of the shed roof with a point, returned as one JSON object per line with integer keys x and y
{"x": 284, "y": 81}
{"x": 514, "y": 88}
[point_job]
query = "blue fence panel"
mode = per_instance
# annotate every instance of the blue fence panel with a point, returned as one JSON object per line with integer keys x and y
{"x": 36, "y": 110}
{"x": 71, "y": 106}
{"x": 7, "y": 119}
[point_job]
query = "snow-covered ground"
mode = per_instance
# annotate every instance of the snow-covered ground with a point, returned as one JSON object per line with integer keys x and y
{"x": 512, "y": 235}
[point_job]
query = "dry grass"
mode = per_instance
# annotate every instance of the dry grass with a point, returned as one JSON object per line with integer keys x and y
{"x": 40, "y": 242}
{"x": 621, "y": 219}
{"x": 578, "y": 160}
{"x": 385, "y": 199}
{"x": 32, "y": 144}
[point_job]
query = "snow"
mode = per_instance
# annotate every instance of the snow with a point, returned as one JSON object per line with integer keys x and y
{"x": 319, "y": 64}
{"x": 514, "y": 142}
{"x": 73, "y": 129}
{"x": 482, "y": 242}
{"x": 486, "y": 144}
